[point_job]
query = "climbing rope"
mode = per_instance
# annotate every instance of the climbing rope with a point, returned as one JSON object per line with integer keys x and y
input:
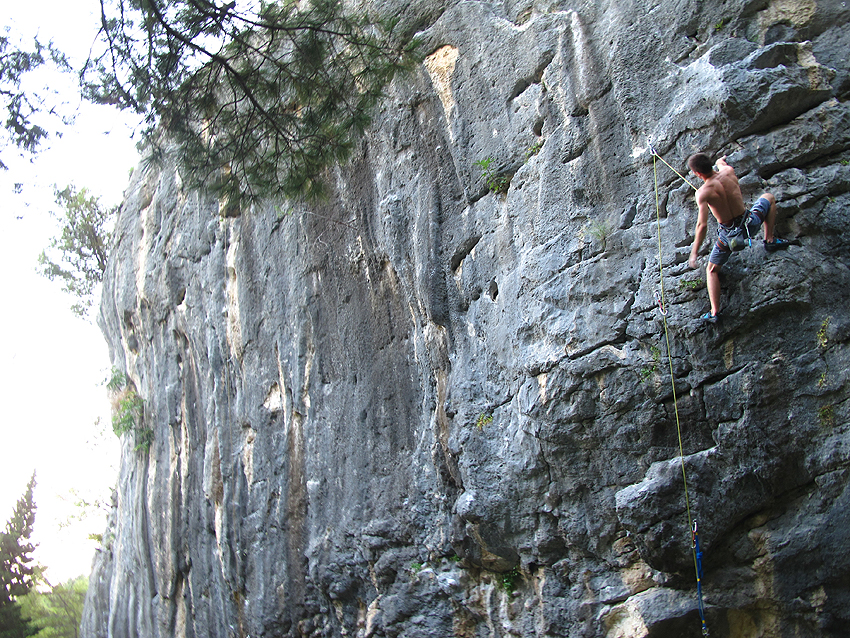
{"x": 698, "y": 560}
{"x": 682, "y": 177}
{"x": 692, "y": 525}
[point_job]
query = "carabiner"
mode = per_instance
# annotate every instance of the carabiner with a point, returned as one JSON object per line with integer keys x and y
{"x": 660, "y": 303}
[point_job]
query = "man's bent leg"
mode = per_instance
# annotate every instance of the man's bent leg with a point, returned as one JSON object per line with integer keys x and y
{"x": 712, "y": 281}
{"x": 770, "y": 220}
{"x": 765, "y": 209}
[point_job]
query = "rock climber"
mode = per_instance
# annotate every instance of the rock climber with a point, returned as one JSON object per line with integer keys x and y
{"x": 721, "y": 194}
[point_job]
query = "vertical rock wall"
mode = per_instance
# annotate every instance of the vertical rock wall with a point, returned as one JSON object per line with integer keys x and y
{"x": 424, "y": 408}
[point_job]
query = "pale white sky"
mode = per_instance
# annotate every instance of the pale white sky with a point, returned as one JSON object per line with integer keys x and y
{"x": 52, "y": 364}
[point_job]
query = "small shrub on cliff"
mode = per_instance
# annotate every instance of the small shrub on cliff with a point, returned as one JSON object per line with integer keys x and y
{"x": 495, "y": 183}
{"x": 647, "y": 371}
{"x": 533, "y": 150}
{"x": 509, "y": 580}
{"x": 823, "y": 340}
{"x": 483, "y": 419}
{"x": 128, "y": 410}
{"x": 600, "y": 230}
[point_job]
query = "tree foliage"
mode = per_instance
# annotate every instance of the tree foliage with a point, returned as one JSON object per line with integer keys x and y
{"x": 13, "y": 622}
{"x": 57, "y": 612}
{"x": 21, "y": 107}
{"x": 260, "y": 99}
{"x": 77, "y": 256}
{"x": 17, "y": 571}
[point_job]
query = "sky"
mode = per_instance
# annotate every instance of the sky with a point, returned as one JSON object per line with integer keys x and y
{"x": 54, "y": 413}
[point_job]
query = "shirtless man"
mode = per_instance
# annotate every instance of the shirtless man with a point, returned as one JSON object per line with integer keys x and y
{"x": 721, "y": 195}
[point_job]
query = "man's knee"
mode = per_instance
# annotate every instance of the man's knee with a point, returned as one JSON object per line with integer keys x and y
{"x": 713, "y": 269}
{"x": 769, "y": 197}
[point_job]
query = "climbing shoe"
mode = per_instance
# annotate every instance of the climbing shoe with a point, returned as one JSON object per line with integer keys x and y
{"x": 780, "y": 244}
{"x": 710, "y": 318}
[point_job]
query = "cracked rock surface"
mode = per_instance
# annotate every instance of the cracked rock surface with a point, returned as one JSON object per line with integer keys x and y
{"x": 424, "y": 408}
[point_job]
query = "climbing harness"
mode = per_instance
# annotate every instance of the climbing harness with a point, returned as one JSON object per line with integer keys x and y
{"x": 735, "y": 239}
{"x": 659, "y": 296}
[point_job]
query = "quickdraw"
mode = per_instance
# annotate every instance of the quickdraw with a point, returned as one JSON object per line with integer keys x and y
{"x": 698, "y": 557}
{"x": 660, "y": 303}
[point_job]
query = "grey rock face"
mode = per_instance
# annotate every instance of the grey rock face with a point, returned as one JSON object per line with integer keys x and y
{"x": 424, "y": 408}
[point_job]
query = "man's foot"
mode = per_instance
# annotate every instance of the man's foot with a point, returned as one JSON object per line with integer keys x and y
{"x": 710, "y": 318}
{"x": 780, "y": 244}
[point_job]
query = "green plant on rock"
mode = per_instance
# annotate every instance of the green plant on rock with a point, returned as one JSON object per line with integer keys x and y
{"x": 601, "y": 230}
{"x": 648, "y": 370}
{"x": 508, "y": 581}
{"x": 495, "y": 183}
{"x": 483, "y": 419}
{"x": 117, "y": 380}
{"x": 690, "y": 284}
{"x": 534, "y": 149}
{"x": 826, "y": 414}
{"x": 144, "y": 439}
{"x": 128, "y": 411}
{"x": 823, "y": 340}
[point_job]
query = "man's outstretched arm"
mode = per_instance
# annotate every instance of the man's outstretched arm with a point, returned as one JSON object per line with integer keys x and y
{"x": 699, "y": 231}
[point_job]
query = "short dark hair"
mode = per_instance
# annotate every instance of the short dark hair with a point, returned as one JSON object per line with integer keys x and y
{"x": 701, "y": 163}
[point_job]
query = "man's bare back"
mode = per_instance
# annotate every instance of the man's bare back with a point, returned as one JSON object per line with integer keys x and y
{"x": 722, "y": 194}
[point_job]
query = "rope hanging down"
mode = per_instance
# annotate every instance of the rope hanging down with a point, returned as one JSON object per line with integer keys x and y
{"x": 692, "y": 525}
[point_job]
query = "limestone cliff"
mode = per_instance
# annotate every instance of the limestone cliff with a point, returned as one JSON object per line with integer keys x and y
{"x": 426, "y": 408}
